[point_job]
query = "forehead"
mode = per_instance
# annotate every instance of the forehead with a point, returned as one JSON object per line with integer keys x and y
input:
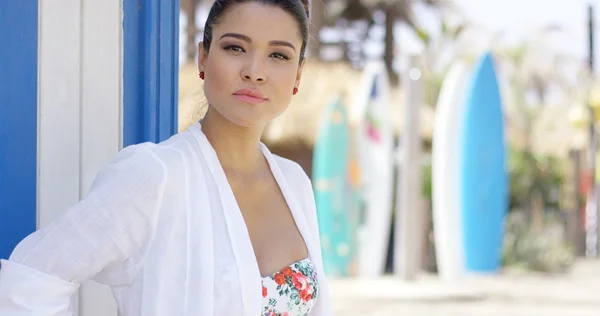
{"x": 259, "y": 21}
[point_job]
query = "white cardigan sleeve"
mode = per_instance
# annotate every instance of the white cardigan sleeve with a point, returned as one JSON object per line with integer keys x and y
{"x": 108, "y": 231}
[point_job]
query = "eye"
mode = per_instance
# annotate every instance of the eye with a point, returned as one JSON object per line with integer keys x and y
{"x": 234, "y": 48}
{"x": 280, "y": 56}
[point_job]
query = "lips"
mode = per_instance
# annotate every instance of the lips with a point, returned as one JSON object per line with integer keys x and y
{"x": 250, "y": 96}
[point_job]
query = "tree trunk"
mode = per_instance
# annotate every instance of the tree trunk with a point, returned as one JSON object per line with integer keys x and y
{"x": 189, "y": 7}
{"x": 390, "y": 18}
{"x": 317, "y": 21}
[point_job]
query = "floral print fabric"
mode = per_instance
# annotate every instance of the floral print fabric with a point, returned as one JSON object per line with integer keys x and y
{"x": 291, "y": 291}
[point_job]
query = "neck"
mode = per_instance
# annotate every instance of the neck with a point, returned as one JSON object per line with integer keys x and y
{"x": 237, "y": 147}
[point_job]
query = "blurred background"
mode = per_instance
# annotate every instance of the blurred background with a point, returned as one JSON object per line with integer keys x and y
{"x": 543, "y": 53}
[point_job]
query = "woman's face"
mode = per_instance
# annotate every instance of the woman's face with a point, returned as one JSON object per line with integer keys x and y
{"x": 253, "y": 63}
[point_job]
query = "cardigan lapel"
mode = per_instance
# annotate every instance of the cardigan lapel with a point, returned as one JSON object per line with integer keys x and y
{"x": 243, "y": 252}
{"x": 200, "y": 230}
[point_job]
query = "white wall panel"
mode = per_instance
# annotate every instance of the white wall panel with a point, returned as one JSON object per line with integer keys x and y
{"x": 80, "y": 106}
{"x": 101, "y": 116}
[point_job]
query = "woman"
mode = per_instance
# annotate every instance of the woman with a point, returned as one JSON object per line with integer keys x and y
{"x": 208, "y": 222}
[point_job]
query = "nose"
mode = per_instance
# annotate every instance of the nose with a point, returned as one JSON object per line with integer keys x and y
{"x": 254, "y": 71}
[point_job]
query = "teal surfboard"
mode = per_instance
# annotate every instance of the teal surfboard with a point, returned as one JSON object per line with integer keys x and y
{"x": 329, "y": 175}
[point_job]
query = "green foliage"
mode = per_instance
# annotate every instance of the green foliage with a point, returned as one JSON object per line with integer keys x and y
{"x": 533, "y": 174}
{"x": 544, "y": 251}
{"x": 426, "y": 180}
{"x": 432, "y": 86}
{"x": 422, "y": 34}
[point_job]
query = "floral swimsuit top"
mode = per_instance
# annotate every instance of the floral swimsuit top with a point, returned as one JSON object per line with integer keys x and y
{"x": 291, "y": 291}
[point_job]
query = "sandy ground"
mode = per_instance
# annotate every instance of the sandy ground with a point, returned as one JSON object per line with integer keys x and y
{"x": 509, "y": 294}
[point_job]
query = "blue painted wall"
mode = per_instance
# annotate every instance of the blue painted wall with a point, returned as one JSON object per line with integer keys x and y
{"x": 150, "y": 70}
{"x": 18, "y": 121}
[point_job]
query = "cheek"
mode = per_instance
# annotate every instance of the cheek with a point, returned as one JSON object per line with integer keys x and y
{"x": 286, "y": 80}
{"x": 218, "y": 81}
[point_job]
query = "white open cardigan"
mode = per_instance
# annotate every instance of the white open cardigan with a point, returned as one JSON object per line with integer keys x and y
{"x": 160, "y": 226}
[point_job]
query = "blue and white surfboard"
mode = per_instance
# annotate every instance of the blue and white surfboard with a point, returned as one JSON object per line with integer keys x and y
{"x": 482, "y": 170}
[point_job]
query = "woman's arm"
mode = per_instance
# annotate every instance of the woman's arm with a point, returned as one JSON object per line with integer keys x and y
{"x": 109, "y": 229}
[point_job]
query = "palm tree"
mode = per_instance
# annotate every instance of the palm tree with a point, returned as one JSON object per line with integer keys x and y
{"x": 395, "y": 10}
{"x": 189, "y": 8}
{"x": 439, "y": 53}
{"x": 318, "y": 19}
{"x": 537, "y": 72}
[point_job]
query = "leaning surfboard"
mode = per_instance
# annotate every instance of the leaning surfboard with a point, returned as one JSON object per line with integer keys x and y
{"x": 329, "y": 174}
{"x": 483, "y": 173}
{"x": 375, "y": 153}
{"x": 355, "y": 202}
{"x": 445, "y": 176}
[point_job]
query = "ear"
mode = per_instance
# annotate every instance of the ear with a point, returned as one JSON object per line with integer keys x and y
{"x": 299, "y": 73}
{"x": 202, "y": 56}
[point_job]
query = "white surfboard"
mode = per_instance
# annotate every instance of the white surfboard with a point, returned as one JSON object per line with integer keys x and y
{"x": 375, "y": 156}
{"x": 445, "y": 174}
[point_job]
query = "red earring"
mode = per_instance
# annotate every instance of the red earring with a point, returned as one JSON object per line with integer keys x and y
{"x": 295, "y": 91}
{"x": 202, "y": 75}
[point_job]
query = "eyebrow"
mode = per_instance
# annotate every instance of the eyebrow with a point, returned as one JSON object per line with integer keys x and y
{"x": 249, "y": 40}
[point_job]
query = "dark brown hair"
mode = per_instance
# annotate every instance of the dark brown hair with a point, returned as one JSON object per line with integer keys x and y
{"x": 299, "y": 9}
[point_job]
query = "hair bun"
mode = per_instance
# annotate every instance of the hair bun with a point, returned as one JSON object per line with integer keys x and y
{"x": 306, "y": 4}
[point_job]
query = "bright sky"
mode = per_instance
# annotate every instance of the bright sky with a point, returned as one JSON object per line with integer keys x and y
{"x": 520, "y": 18}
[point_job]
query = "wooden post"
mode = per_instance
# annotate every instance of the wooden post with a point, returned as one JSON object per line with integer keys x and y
{"x": 573, "y": 204}
{"x": 591, "y": 210}
{"x": 409, "y": 204}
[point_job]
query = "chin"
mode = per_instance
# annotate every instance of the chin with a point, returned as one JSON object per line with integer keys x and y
{"x": 245, "y": 118}
{"x": 245, "y": 122}
{"x": 249, "y": 116}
